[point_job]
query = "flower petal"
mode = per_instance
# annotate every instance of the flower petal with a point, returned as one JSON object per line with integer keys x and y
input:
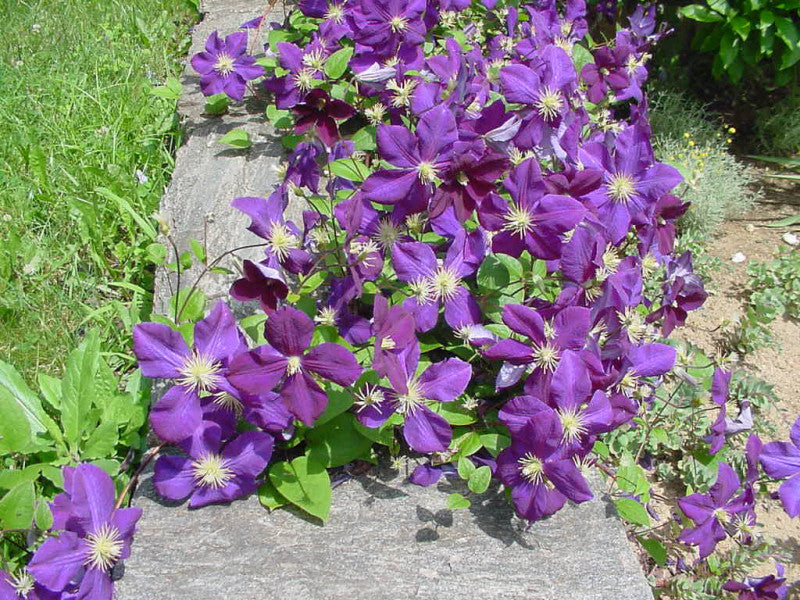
{"x": 333, "y": 362}
{"x": 173, "y": 477}
{"x": 161, "y": 351}
{"x": 289, "y": 330}
{"x": 249, "y": 453}
{"x": 304, "y": 397}
{"x": 258, "y": 371}
{"x": 425, "y": 431}
{"x": 58, "y": 561}
{"x": 446, "y": 380}
{"x": 176, "y": 415}
{"x": 217, "y": 336}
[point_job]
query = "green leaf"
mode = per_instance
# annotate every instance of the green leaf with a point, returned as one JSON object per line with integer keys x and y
{"x": 125, "y": 206}
{"x": 457, "y": 501}
{"x": 339, "y": 400}
{"x": 581, "y": 57}
{"x": 78, "y": 387}
{"x": 102, "y": 441}
{"x": 465, "y": 467}
{"x": 655, "y": 549}
{"x": 364, "y": 139}
{"x": 601, "y": 449}
{"x": 336, "y": 64}
{"x": 198, "y": 250}
{"x": 16, "y": 507}
{"x": 495, "y": 442}
{"x": 157, "y": 253}
{"x": 216, "y": 104}
{"x": 350, "y": 169}
{"x": 305, "y": 484}
{"x": 43, "y": 516}
{"x": 467, "y": 443}
{"x": 171, "y": 90}
{"x": 479, "y": 480}
{"x": 269, "y": 496}
{"x": 14, "y": 389}
{"x": 728, "y": 49}
{"x": 632, "y": 511}
{"x": 37, "y": 162}
{"x": 787, "y": 32}
{"x": 455, "y": 413}
{"x": 700, "y": 13}
{"x": 741, "y": 26}
{"x": 337, "y": 442}
{"x": 236, "y": 138}
{"x": 191, "y": 310}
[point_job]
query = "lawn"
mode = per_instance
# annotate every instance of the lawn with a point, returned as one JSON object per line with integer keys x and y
{"x": 84, "y": 147}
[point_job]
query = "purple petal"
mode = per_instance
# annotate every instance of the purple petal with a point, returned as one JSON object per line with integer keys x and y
{"x": 304, "y": 397}
{"x": 652, "y": 359}
{"x": 425, "y": 431}
{"x": 217, "y": 336}
{"x": 390, "y": 186}
{"x": 258, "y": 371}
{"x": 436, "y": 132}
{"x": 525, "y": 321}
{"x": 95, "y": 585}
{"x": 413, "y": 260}
{"x": 93, "y": 495}
{"x": 445, "y": 381}
{"x": 518, "y": 411}
{"x": 568, "y": 480}
{"x": 289, "y": 330}
{"x": 58, "y": 560}
{"x": 780, "y": 459}
{"x": 161, "y": 351}
{"x": 333, "y": 362}
{"x": 534, "y": 502}
{"x": 512, "y": 351}
{"x": 789, "y": 493}
{"x": 173, "y": 477}
{"x": 570, "y": 385}
{"x": 572, "y": 326}
{"x": 398, "y": 146}
{"x": 462, "y": 309}
{"x": 176, "y": 415}
{"x": 425, "y": 475}
{"x": 726, "y": 485}
{"x": 249, "y": 454}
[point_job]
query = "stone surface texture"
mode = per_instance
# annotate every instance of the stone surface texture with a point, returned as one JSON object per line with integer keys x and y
{"x": 386, "y": 539}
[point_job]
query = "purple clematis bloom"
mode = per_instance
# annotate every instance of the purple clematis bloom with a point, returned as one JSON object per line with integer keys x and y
{"x": 710, "y": 512}
{"x": 719, "y": 394}
{"x": 420, "y": 157}
{"x": 394, "y": 332}
{"x": 96, "y": 536}
{"x": 224, "y": 67}
{"x": 423, "y": 429}
{"x": 285, "y": 360}
{"x": 533, "y": 220}
{"x": 607, "y": 71}
{"x": 260, "y": 282}
{"x": 21, "y": 586}
{"x": 683, "y": 291}
{"x": 388, "y": 24}
{"x": 781, "y": 460}
{"x": 214, "y": 472}
{"x": 771, "y": 587}
{"x": 320, "y": 111}
{"x": 541, "y": 478}
{"x": 163, "y": 353}
{"x": 432, "y": 283}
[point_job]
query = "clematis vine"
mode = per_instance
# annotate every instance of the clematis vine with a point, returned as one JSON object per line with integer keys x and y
{"x": 225, "y": 67}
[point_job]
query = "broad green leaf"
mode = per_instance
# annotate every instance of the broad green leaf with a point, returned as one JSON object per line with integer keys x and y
{"x": 198, "y": 250}
{"x": 697, "y": 12}
{"x": 601, "y": 449}
{"x": 192, "y": 308}
{"x": 787, "y": 32}
{"x": 495, "y": 442}
{"x": 216, "y": 104}
{"x": 465, "y": 467}
{"x": 37, "y": 162}
{"x": 157, "y": 253}
{"x": 479, "y": 481}
{"x": 454, "y": 413}
{"x": 364, "y": 139}
{"x": 350, "y": 169}
{"x": 337, "y": 442}
{"x": 15, "y": 430}
{"x": 467, "y": 444}
{"x": 581, "y": 57}
{"x": 43, "y": 516}
{"x": 78, "y": 388}
{"x": 741, "y": 26}
{"x": 305, "y": 484}
{"x": 269, "y": 496}
{"x": 12, "y": 383}
{"x": 339, "y": 400}
{"x": 101, "y": 441}
{"x": 16, "y": 507}
{"x": 171, "y": 90}
{"x": 632, "y": 511}
{"x": 10, "y": 478}
{"x": 655, "y": 549}
{"x": 236, "y": 138}
{"x": 728, "y": 49}
{"x": 336, "y": 64}
{"x": 457, "y": 501}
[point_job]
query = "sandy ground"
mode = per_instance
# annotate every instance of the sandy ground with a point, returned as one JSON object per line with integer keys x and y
{"x": 779, "y": 365}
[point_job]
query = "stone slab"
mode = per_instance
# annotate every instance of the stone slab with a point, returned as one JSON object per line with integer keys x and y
{"x": 386, "y": 539}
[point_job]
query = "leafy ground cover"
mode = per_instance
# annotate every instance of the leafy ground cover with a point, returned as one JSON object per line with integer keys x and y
{"x": 85, "y": 151}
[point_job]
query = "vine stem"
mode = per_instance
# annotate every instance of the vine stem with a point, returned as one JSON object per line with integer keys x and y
{"x": 135, "y": 477}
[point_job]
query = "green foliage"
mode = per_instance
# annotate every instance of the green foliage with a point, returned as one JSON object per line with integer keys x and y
{"x": 747, "y": 36}
{"x": 90, "y": 91}
{"x": 777, "y": 127}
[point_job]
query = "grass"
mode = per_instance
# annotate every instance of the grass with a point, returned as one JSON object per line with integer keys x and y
{"x": 83, "y": 146}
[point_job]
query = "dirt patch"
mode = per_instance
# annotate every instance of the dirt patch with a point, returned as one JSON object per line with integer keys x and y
{"x": 778, "y": 365}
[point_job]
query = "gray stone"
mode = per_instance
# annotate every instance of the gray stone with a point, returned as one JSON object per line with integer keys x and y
{"x": 386, "y": 539}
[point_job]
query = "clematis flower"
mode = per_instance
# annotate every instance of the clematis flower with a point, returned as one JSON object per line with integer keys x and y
{"x": 285, "y": 360}
{"x": 683, "y": 291}
{"x": 162, "y": 353}
{"x": 411, "y": 395}
{"x": 387, "y": 24}
{"x": 320, "y": 111}
{"x": 540, "y": 477}
{"x": 260, "y": 282}
{"x": 305, "y": 65}
{"x": 213, "y": 472}
{"x": 547, "y": 341}
{"x": 606, "y": 72}
{"x": 96, "y": 536}
{"x": 781, "y": 460}
{"x": 394, "y": 332}
{"x": 419, "y": 157}
{"x": 770, "y": 587}
{"x": 719, "y": 395}
{"x": 224, "y": 67}
{"x": 710, "y": 512}
{"x": 432, "y": 283}
{"x": 533, "y": 220}
{"x": 21, "y": 586}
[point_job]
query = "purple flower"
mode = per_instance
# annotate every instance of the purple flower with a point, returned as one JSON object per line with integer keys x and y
{"x": 432, "y": 283}
{"x": 607, "y": 71}
{"x": 541, "y": 478}
{"x": 214, "y": 472}
{"x": 420, "y": 157}
{"x": 533, "y": 220}
{"x": 683, "y": 291}
{"x": 285, "y": 360}
{"x": 388, "y": 24}
{"x": 224, "y": 66}
{"x": 719, "y": 394}
{"x": 770, "y": 587}
{"x": 305, "y": 65}
{"x": 781, "y": 460}
{"x": 260, "y": 282}
{"x": 97, "y": 536}
{"x": 163, "y": 353}
{"x": 710, "y": 512}
{"x": 21, "y": 586}
{"x": 423, "y": 429}
{"x": 394, "y": 332}
{"x": 321, "y": 112}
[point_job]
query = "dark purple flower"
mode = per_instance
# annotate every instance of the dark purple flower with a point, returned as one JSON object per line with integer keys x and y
{"x": 21, "y": 586}
{"x": 305, "y": 65}
{"x": 607, "y": 71}
{"x": 214, "y": 472}
{"x": 781, "y": 460}
{"x": 394, "y": 332}
{"x": 162, "y": 353}
{"x": 770, "y": 587}
{"x": 96, "y": 536}
{"x": 420, "y": 157}
{"x": 260, "y": 282}
{"x": 385, "y": 25}
{"x": 432, "y": 283}
{"x": 320, "y": 111}
{"x": 224, "y": 67}
{"x": 710, "y": 512}
{"x": 719, "y": 394}
{"x": 541, "y": 478}
{"x": 683, "y": 291}
{"x": 423, "y": 429}
{"x": 285, "y": 360}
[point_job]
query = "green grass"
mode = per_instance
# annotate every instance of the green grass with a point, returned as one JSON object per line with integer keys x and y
{"x": 76, "y": 115}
